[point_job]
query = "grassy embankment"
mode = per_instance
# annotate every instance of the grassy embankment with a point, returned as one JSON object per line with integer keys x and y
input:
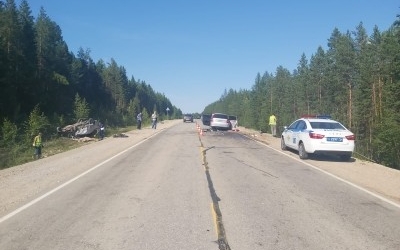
{"x": 19, "y": 154}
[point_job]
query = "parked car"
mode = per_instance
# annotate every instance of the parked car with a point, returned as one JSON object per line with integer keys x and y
{"x": 318, "y": 135}
{"x": 205, "y": 119}
{"x": 233, "y": 122}
{"x": 188, "y": 118}
{"x": 219, "y": 121}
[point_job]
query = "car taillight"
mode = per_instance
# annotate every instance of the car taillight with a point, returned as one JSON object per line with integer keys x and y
{"x": 315, "y": 135}
{"x": 350, "y": 137}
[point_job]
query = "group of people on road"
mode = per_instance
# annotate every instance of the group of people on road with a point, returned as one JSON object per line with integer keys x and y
{"x": 38, "y": 144}
{"x": 139, "y": 120}
{"x": 37, "y": 141}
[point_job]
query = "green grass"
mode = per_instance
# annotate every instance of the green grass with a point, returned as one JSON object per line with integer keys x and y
{"x": 13, "y": 155}
{"x": 19, "y": 154}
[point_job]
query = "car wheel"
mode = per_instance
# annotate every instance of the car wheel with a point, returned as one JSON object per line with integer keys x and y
{"x": 283, "y": 144}
{"x": 302, "y": 152}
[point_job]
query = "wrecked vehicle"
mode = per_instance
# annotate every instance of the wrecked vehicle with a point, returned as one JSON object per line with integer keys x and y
{"x": 82, "y": 128}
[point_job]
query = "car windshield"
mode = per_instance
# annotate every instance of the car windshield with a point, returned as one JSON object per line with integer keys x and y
{"x": 220, "y": 116}
{"x": 327, "y": 125}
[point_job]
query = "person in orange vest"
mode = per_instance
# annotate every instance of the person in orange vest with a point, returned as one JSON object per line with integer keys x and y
{"x": 37, "y": 144}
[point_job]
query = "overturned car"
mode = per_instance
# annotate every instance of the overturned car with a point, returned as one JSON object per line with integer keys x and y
{"x": 82, "y": 128}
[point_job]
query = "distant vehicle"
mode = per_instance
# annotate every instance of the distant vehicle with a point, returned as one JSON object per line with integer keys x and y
{"x": 219, "y": 121}
{"x": 205, "y": 119}
{"x": 188, "y": 118}
{"x": 233, "y": 122}
{"x": 318, "y": 135}
{"x": 83, "y": 127}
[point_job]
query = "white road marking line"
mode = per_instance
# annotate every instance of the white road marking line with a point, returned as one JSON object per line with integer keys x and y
{"x": 20, "y": 209}
{"x": 334, "y": 176}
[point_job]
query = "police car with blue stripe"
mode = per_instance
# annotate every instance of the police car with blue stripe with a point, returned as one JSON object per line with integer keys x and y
{"x": 318, "y": 134}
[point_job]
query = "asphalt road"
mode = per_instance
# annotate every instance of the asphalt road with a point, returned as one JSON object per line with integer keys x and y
{"x": 178, "y": 190}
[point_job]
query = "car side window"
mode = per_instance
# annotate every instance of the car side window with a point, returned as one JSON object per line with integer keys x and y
{"x": 293, "y": 125}
{"x": 301, "y": 125}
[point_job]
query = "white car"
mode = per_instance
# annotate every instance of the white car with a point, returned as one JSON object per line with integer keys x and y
{"x": 316, "y": 135}
{"x": 234, "y": 122}
{"x": 219, "y": 121}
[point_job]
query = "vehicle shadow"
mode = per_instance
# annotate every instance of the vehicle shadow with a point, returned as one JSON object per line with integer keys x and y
{"x": 326, "y": 157}
{"x": 323, "y": 157}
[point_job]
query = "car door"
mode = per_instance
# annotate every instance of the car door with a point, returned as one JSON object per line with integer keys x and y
{"x": 288, "y": 135}
{"x": 297, "y": 133}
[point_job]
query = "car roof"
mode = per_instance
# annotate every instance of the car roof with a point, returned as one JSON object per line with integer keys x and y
{"x": 318, "y": 120}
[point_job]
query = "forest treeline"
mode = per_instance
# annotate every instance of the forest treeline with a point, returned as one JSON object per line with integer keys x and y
{"x": 356, "y": 80}
{"x": 43, "y": 85}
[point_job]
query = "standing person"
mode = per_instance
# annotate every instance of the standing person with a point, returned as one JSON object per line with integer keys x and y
{"x": 37, "y": 144}
{"x": 272, "y": 123}
{"x": 139, "y": 120}
{"x": 154, "y": 119}
{"x": 101, "y": 131}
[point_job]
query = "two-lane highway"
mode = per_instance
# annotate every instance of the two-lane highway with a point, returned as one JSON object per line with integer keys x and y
{"x": 221, "y": 190}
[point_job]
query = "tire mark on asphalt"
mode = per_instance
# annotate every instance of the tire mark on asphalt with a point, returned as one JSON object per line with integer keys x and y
{"x": 250, "y": 166}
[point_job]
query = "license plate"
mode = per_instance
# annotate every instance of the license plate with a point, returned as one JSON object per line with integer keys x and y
{"x": 334, "y": 139}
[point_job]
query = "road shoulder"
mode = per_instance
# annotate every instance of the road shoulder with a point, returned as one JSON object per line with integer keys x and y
{"x": 378, "y": 179}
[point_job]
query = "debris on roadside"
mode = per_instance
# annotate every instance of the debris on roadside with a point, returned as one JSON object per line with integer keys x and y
{"x": 120, "y": 135}
{"x": 85, "y": 139}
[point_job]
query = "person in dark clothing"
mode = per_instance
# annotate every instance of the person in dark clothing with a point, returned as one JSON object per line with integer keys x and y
{"x": 139, "y": 120}
{"x": 101, "y": 133}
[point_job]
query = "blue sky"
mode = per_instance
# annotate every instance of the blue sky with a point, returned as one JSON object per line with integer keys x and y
{"x": 192, "y": 50}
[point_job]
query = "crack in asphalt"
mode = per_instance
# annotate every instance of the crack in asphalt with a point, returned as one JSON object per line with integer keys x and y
{"x": 222, "y": 240}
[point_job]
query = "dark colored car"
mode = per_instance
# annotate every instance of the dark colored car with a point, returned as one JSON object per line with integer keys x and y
{"x": 188, "y": 118}
{"x": 205, "y": 119}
